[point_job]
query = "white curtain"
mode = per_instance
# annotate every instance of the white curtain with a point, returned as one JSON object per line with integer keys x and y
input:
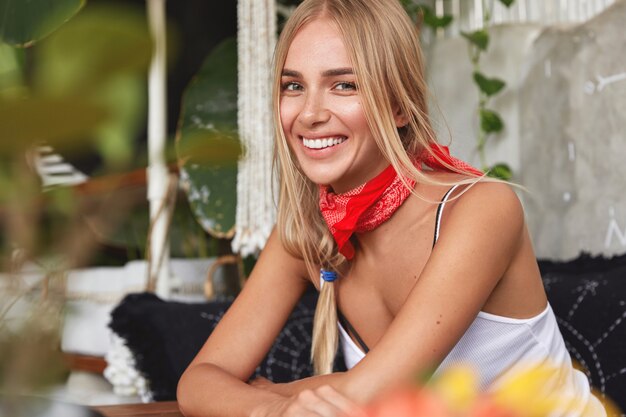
{"x": 256, "y": 190}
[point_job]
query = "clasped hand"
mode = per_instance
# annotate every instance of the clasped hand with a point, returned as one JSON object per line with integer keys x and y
{"x": 323, "y": 401}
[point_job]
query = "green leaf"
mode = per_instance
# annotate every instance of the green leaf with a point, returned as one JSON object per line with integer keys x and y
{"x": 24, "y": 22}
{"x": 490, "y": 121}
{"x": 59, "y": 122}
{"x": 489, "y": 86}
{"x": 507, "y": 3}
{"x": 124, "y": 97}
{"x": 438, "y": 22}
{"x": 208, "y": 146}
{"x": 105, "y": 40}
{"x": 102, "y": 54}
{"x": 502, "y": 171}
{"x": 12, "y": 82}
{"x": 434, "y": 21}
{"x": 479, "y": 38}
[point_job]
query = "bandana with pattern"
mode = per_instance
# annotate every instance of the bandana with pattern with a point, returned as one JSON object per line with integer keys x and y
{"x": 369, "y": 205}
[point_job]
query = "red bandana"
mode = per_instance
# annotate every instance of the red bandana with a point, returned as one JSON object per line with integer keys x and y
{"x": 373, "y": 203}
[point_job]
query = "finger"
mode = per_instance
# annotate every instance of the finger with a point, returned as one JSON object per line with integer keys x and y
{"x": 357, "y": 411}
{"x": 299, "y": 411}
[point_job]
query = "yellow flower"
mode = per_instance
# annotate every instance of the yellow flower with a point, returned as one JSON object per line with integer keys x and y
{"x": 457, "y": 387}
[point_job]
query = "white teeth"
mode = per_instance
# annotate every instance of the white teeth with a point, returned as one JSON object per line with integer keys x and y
{"x": 323, "y": 143}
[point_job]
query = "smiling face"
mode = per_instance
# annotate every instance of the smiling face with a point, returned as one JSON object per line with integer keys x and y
{"x": 321, "y": 112}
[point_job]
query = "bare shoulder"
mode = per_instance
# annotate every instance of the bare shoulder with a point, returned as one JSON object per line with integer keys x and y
{"x": 275, "y": 260}
{"x": 489, "y": 207}
{"x": 487, "y": 198}
{"x": 490, "y": 197}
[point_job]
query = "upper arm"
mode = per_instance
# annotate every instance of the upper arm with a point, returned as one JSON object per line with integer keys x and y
{"x": 246, "y": 332}
{"x": 479, "y": 237}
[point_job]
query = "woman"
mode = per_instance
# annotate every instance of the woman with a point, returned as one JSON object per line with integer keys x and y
{"x": 351, "y": 113}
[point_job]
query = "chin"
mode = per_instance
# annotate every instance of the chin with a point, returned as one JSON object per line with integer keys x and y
{"x": 320, "y": 179}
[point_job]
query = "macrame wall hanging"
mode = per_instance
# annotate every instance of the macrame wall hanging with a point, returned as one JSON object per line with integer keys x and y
{"x": 256, "y": 188}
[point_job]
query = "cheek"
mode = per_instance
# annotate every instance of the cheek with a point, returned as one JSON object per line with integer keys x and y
{"x": 352, "y": 114}
{"x": 288, "y": 114}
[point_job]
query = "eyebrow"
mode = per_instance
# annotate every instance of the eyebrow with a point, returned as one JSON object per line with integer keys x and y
{"x": 328, "y": 73}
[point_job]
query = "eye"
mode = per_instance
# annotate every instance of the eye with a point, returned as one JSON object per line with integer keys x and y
{"x": 345, "y": 86}
{"x": 290, "y": 86}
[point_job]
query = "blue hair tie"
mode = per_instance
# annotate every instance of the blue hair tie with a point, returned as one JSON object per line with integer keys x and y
{"x": 328, "y": 276}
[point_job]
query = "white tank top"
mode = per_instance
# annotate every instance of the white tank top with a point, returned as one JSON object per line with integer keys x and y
{"x": 497, "y": 346}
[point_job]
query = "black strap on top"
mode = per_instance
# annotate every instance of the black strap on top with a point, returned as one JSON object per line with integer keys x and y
{"x": 348, "y": 328}
{"x": 442, "y": 203}
{"x": 342, "y": 319}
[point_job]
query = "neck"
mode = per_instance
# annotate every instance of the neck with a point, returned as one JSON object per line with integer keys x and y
{"x": 342, "y": 187}
{"x": 377, "y": 241}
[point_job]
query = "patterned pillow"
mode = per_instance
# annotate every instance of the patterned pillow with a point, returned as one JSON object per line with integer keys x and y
{"x": 588, "y": 296}
{"x": 164, "y": 337}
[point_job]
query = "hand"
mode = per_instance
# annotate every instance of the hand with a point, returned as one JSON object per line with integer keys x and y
{"x": 324, "y": 401}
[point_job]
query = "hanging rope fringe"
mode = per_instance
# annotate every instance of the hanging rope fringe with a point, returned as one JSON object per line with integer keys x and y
{"x": 256, "y": 190}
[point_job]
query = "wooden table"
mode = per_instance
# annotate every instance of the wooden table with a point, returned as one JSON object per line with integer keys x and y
{"x": 158, "y": 409}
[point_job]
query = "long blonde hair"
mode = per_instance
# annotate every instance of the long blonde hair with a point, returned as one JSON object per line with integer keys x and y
{"x": 383, "y": 46}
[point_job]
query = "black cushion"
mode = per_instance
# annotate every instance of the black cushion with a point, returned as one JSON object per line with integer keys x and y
{"x": 165, "y": 336}
{"x": 588, "y": 296}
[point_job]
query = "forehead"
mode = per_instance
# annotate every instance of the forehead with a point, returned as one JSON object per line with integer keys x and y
{"x": 318, "y": 43}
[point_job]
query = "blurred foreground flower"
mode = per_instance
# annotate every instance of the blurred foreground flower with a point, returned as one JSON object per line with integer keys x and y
{"x": 455, "y": 393}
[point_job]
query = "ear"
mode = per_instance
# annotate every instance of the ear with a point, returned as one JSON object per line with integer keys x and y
{"x": 399, "y": 117}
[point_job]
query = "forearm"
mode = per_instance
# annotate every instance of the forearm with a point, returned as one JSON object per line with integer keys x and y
{"x": 206, "y": 390}
{"x": 335, "y": 380}
{"x": 356, "y": 385}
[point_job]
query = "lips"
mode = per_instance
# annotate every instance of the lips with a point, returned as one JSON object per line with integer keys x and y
{"x": 322, "y": 143}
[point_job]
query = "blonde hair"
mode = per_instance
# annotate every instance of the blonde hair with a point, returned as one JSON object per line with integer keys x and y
{"x": 383, "y": 46}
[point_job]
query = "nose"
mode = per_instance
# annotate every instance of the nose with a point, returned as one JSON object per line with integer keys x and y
{"x": 314, "y": 111}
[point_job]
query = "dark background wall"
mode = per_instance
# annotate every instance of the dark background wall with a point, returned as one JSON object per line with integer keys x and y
{"x": 201, "y": 24}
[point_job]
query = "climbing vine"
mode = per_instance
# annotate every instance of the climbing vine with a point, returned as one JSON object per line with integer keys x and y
{"x": 488, "y": 87}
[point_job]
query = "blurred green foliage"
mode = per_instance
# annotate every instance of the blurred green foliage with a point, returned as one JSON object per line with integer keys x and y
{"x": 208, "y": 145}
{"x": 101, "y": 56}
{"x": 25, "y": 22}
{"x": 81, "y": 87}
